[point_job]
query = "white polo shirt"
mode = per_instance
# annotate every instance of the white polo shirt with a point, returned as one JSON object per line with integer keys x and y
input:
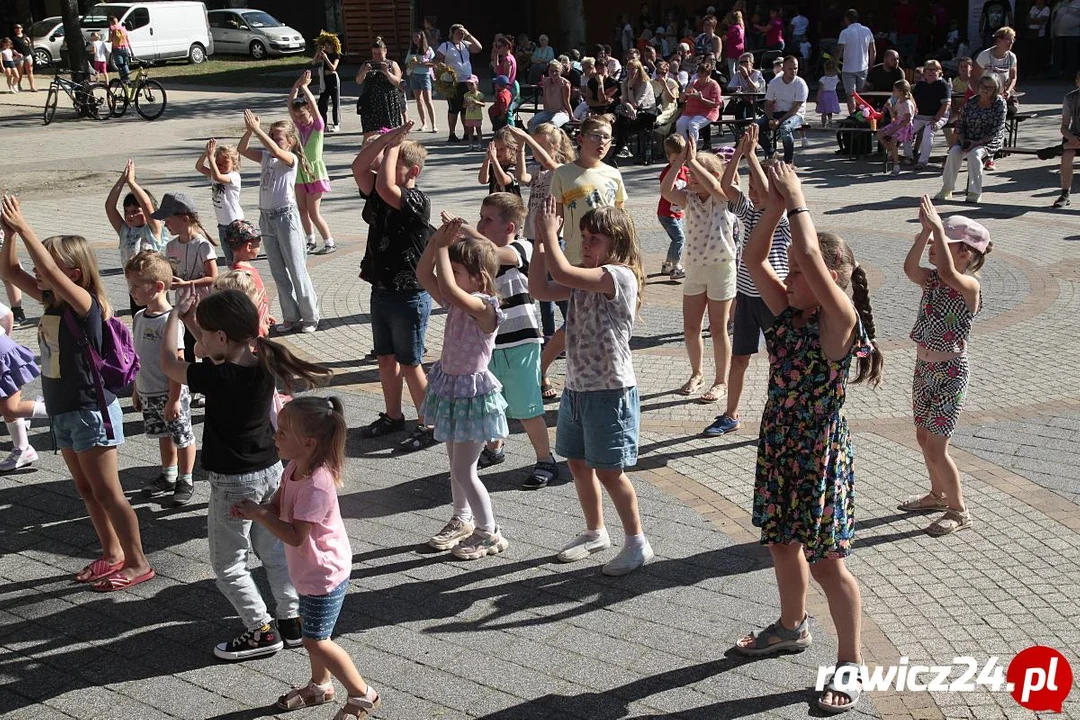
{"x": 856, "y": 39}
{"x": 785, "y": 95}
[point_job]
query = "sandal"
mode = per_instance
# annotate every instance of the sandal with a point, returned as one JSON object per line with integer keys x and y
{"x": 489, "y": 457}
{"x": 308, "y": 696}
{"x": 691, "y": 386}
{"x": 422, "y": 438}
{"x": 548, "y": 391}
{"x": 117, "y": 581}
{"x": 787, "y": 641}
{"x": 713, "y": 395}
{"x": 97, "y": 569}
{"x": 917, "y": 503}
{"x": 952, "y": 521}
{"x": 358, "y": 708}
{"x": 543, "y": 473}
{"x": 849, "y": 688}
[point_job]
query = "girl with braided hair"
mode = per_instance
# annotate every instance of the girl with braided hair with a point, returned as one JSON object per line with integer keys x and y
{"x": 804, "y": 499}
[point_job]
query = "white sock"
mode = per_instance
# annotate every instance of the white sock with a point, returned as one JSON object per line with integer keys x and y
{"x": 17, "y": 430}
{"x": 635, "y": 541}
{"x": 594, "y": 534}
{"x": 329, "y": 242}
{"x": 311, "y": 238}
{"x": 39, "y": 409}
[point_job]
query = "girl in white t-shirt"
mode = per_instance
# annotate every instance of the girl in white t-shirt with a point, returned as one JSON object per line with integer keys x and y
{"x": 225, "y": 183}
{"x": 101, "y": 57}
{"x": 828, "y": 104}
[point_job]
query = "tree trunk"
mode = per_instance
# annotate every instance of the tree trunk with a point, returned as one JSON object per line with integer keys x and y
{"x": 572, "y": 20}
{"x": 75, "y": 51}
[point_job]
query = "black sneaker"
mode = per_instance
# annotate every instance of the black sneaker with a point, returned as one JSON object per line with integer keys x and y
{"x": 1062, "y": 201}
{"x": 289, "y": 629}
{"x": 453, "y": 139}
{"x": 383, "y": 426}
{"x": 422, "y": 437}
{"x": 160, "y": 486}
{"x": 251, "y": 644}
{"x": 18, "y": 316}
{"x": 543, "y": 473}
{"x": 183, "y": 492}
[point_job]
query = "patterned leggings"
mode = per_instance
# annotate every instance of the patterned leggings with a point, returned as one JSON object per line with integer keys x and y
{"x": 937, "y": 394}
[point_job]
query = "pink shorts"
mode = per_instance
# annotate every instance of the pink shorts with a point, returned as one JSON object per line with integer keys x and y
{"x": 319, "y": 186}
{"x": 100, "y": 67}
{"x": 474, "y": 123}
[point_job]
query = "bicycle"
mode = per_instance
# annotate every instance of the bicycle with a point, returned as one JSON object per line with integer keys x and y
{"x": 148, "y": 95}
{"x": 89, "y": 99}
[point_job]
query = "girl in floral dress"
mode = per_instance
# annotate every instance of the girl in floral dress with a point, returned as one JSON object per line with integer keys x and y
{"x": 804, "y": 494}
{"x": 902, "y": 128}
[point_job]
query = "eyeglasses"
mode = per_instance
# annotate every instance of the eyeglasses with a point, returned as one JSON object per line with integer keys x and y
{"x": 598, "y": 137}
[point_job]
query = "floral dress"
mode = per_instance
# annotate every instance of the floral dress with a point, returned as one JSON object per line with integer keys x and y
{"x": 379, "y": 104}
{"x": 804, "y": 491}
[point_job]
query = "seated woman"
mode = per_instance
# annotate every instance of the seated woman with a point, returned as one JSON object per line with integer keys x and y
{"x": 703, "y": 102}
{"x": 542, "y": 56}
{"x": 666, "y": 92}
{"x": 603, "y": 93}
{"x": 746, "y": 79}
{"x": 637, "y": 112}
{"x": 980, "y": 133}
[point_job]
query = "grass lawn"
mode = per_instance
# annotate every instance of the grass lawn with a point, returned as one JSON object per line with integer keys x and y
{"x": 227, "y": 71}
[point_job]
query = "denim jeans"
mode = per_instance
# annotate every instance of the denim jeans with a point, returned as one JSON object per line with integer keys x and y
{"x": 122, "y": 59}
{"x": 784, "y": 131}
{"x": 558, "y": 119}
{"x": 226, "y": 251}
{"x": 674, "y": 229}
{"x": 231, "y": 539}
{"x": 286, "y": 250}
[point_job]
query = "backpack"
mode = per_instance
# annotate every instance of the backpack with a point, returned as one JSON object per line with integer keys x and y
{"x": 115, "y": 367}
{"x": 856, "y": 144}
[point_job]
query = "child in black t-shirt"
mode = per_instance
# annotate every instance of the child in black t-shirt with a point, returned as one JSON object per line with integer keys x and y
{"x": 498, "y": 171}
{"x": 398, "y": 216}
{"x": 326, "y": 59}
{"x": 241, "y": 459}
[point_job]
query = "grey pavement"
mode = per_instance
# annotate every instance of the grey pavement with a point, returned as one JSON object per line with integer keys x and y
{"x": 521, "y": 635}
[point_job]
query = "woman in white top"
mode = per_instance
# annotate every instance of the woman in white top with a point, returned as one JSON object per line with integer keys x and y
{"x": 746, "y": 79}
{"x": 999, "y": 60}
{"x": 541, "y": 57}
{"x": 455, "y": 53}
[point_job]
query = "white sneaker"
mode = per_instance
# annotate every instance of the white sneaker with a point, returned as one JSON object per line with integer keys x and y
{"x": 309, "y": 327}
{"x": 585, "y": 545}
{"x": 805, "y": 142}
{"x": 665, "y": 267}
{"x": 18, "y": 459}
{"x": 678, "y": 272}
{"x": 629, "y": 559}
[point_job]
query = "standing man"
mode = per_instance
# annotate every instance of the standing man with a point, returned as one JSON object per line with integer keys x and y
{"x": 785, "y": 106}
{"x": 1070, "y": 141}
{"x": 856, "y": 46}
{"x": 23, "y": 45}
{"x": 455, "y": 53}
{"x": 933, "y": 97}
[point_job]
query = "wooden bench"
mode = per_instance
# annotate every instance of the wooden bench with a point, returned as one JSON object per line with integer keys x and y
{"x": 1012, "y": 130}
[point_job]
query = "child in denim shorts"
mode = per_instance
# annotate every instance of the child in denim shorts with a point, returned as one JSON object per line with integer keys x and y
{"x": 600, "y": 412}
{"x": 398, "y": 216}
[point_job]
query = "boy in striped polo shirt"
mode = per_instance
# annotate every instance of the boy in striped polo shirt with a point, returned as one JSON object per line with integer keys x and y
{"x": 516, "y": 358}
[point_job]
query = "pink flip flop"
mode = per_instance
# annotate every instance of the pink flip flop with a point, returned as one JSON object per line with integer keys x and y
{"x": 98, "y": 569}
{"x": 117, "y": 581}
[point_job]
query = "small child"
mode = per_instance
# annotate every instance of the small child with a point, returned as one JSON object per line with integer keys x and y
{"x": 137, "y": 229}
{"x": 304, "y": 514}
{"x": 960, "y": 86}
{"x": 600, "y": 413}
{"x": 500, "y": 110}
{"x": 17, "y": 368}
{"x": 240, "y": 459}
{"x": 165, "y": 404}
{"x": 463, "y": 399}
{"x": 671, "y": 216}
{"x": 902, "y": 127}
{"x": 398, "y": 216}
{"x": 244, "y": 240}
{"x": 827, "y": 102}
{"x": 101, "y": 57}
{"x": 498, "y": 170}
{"x": 952, "y": 297}
{"x": 11, "y": 71}
{"x": 312, "y": 177}
{"x": 474, "y": 112}
{"x": 711, "y": 261}
{"x": 221, "y": 163}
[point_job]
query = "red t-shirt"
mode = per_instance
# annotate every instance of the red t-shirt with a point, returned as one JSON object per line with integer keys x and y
{"x": 263, "y": 305}
{"x": 501, "y": 106}
{"x": 774, "y": 34}
{"x": 664, "y": 209}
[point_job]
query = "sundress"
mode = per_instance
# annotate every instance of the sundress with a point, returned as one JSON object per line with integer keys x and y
{"x": 805, "y": 485}
{"x": 379, "y": 104}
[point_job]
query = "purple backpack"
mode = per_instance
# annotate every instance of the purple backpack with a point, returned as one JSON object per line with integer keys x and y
{"x": 115, "y": 367}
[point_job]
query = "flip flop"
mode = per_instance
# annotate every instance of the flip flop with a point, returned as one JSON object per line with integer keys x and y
{"x": 117, "y": 581}
{"x": 98, "y": 569}
{"x": 691, "y": 386}
{"x": 712, "y": 395}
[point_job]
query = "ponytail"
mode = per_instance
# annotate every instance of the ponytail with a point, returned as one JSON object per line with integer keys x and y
{"x": 295, "y": 373}
{"x": 870, "y": 366}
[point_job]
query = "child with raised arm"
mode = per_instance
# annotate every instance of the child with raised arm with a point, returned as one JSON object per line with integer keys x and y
{"x": 279, "y": 220}
{"x": 398, "y": 215}
{"x": 240, "y": 459}
{"x": 672, "y": 216}
{"x": 952, "y": 297}
{"x": 464, "y": 399}
{"x": 804, "y": 498}
{"x": 498, "y": 170}
{"x": 710, "y": 261}
{"x": 600, "y": 414}
{"x": 312, "y": 177}
{"x": 165, "y": 404}
{"x": 221, "y": 163}
{"x": 305, "y": 516}
{"x": 66, "y": 281}
{"x": 137, "y": 229}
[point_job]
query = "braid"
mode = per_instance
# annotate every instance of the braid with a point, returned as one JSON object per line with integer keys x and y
{"x": 870, "y": 367}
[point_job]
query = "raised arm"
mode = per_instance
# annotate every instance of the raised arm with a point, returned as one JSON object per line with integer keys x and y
{"x": 968, "y": 285}
{"x": 755, "y": 256}
{"x": 484, "y": 174}
{"x": 502, "y": 178}
{"x": 521, "y": 170}
{"x": 425, "y": 267}
{"x": 667, "y": 188}
{"x": 541, "y": 287}
{"x": 252, "y": 122}
{"x": 362, "y": 163}
{"x": 115, "y": 218}
{"x": 385, "y": 183}
{"x": 539, "y": 153}
{"x": 143, "y": 198}
{"x": 215, "y": 174}
{"x": 10, "y": 270}
{"x": 729, "y": 180}
{"x": 562, "y": 272}
{"x": 706, "y": 178}
{"x": 478, "y": 309}
{"x": 244, "y": 148}
{"x": 913, "y": 266}
{"x": 303, "y": 87}
{"x": 62, "y": 286}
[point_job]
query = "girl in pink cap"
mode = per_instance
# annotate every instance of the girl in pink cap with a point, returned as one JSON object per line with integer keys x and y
{"x": 951, "y": 298}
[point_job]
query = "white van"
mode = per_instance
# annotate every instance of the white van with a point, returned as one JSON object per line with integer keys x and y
{"x": 157, "y": 30}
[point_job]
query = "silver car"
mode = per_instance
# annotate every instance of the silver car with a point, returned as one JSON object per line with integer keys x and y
{"x": 47, "y": 36}
{"x": 242, "y": 31}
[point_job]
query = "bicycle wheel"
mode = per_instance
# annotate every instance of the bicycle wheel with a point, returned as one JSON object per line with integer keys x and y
{"x": 99, "y": 102}
{"x": 150, "y": 100}
{"x": 119, "y": 97}
{"x": 50, "y": 104}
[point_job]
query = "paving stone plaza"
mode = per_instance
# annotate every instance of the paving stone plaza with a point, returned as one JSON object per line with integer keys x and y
{"x": 520, "y": 635}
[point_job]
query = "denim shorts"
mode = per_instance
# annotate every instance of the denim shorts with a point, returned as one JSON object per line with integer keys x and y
{"x": 599, "y": 427}
{"x": 420, "y": 81}
{"x": 319, "y": 613}
{"x": 399, "y": 322}
{"x": 83, "y": 429}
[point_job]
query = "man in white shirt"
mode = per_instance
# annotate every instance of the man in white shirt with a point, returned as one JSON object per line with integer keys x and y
{"x": 785, "y": 105}
{"x": 856, "y": 47}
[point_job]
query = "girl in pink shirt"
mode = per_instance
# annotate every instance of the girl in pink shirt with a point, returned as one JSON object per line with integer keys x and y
{"x": 304, "y": 514}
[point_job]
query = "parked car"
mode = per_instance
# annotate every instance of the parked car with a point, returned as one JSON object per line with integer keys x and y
{"x": 157, "y": 30}
{"x": 47, "y": 36}
{"x": 243, "y": 31}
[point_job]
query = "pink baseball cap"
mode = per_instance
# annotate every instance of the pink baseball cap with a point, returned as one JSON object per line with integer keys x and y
{"x": 472, "y": 79}
{"x": 961, "y": 229}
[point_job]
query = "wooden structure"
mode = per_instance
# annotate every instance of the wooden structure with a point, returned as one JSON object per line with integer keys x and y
{"x": 364, "y": 20}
